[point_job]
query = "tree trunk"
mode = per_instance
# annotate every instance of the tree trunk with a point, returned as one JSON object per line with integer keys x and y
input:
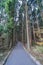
{"x": 38, "y": 29}
{"x": 28, "y": 41}
{"x": 33, "y": 32}
{"x": 22, "y": 31}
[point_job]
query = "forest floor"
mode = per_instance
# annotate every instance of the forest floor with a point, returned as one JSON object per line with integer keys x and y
{"x": 37, "y": 52}
{"x": 3, "y": 54}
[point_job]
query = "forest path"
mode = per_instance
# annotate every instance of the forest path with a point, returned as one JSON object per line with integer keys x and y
{"x": 19, "y": 56}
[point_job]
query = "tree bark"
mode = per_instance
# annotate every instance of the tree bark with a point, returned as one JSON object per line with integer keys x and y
{"x": 28, "y": 41}
{"x": 22, "y": 31}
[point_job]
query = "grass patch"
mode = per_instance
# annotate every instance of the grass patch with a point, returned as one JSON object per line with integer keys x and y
{"x": 38, "y": 49}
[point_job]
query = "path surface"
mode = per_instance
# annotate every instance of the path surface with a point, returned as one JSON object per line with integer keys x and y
{"x": 19, "y": 57}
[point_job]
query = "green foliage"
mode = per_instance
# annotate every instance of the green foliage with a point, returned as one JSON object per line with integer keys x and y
{"x": 10, "y": 24}
{"x": 9, "y": 6}
{"x": 1, "y": 29}
{"x": 5, "y": 29}
{"x": 2, "y": 2}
